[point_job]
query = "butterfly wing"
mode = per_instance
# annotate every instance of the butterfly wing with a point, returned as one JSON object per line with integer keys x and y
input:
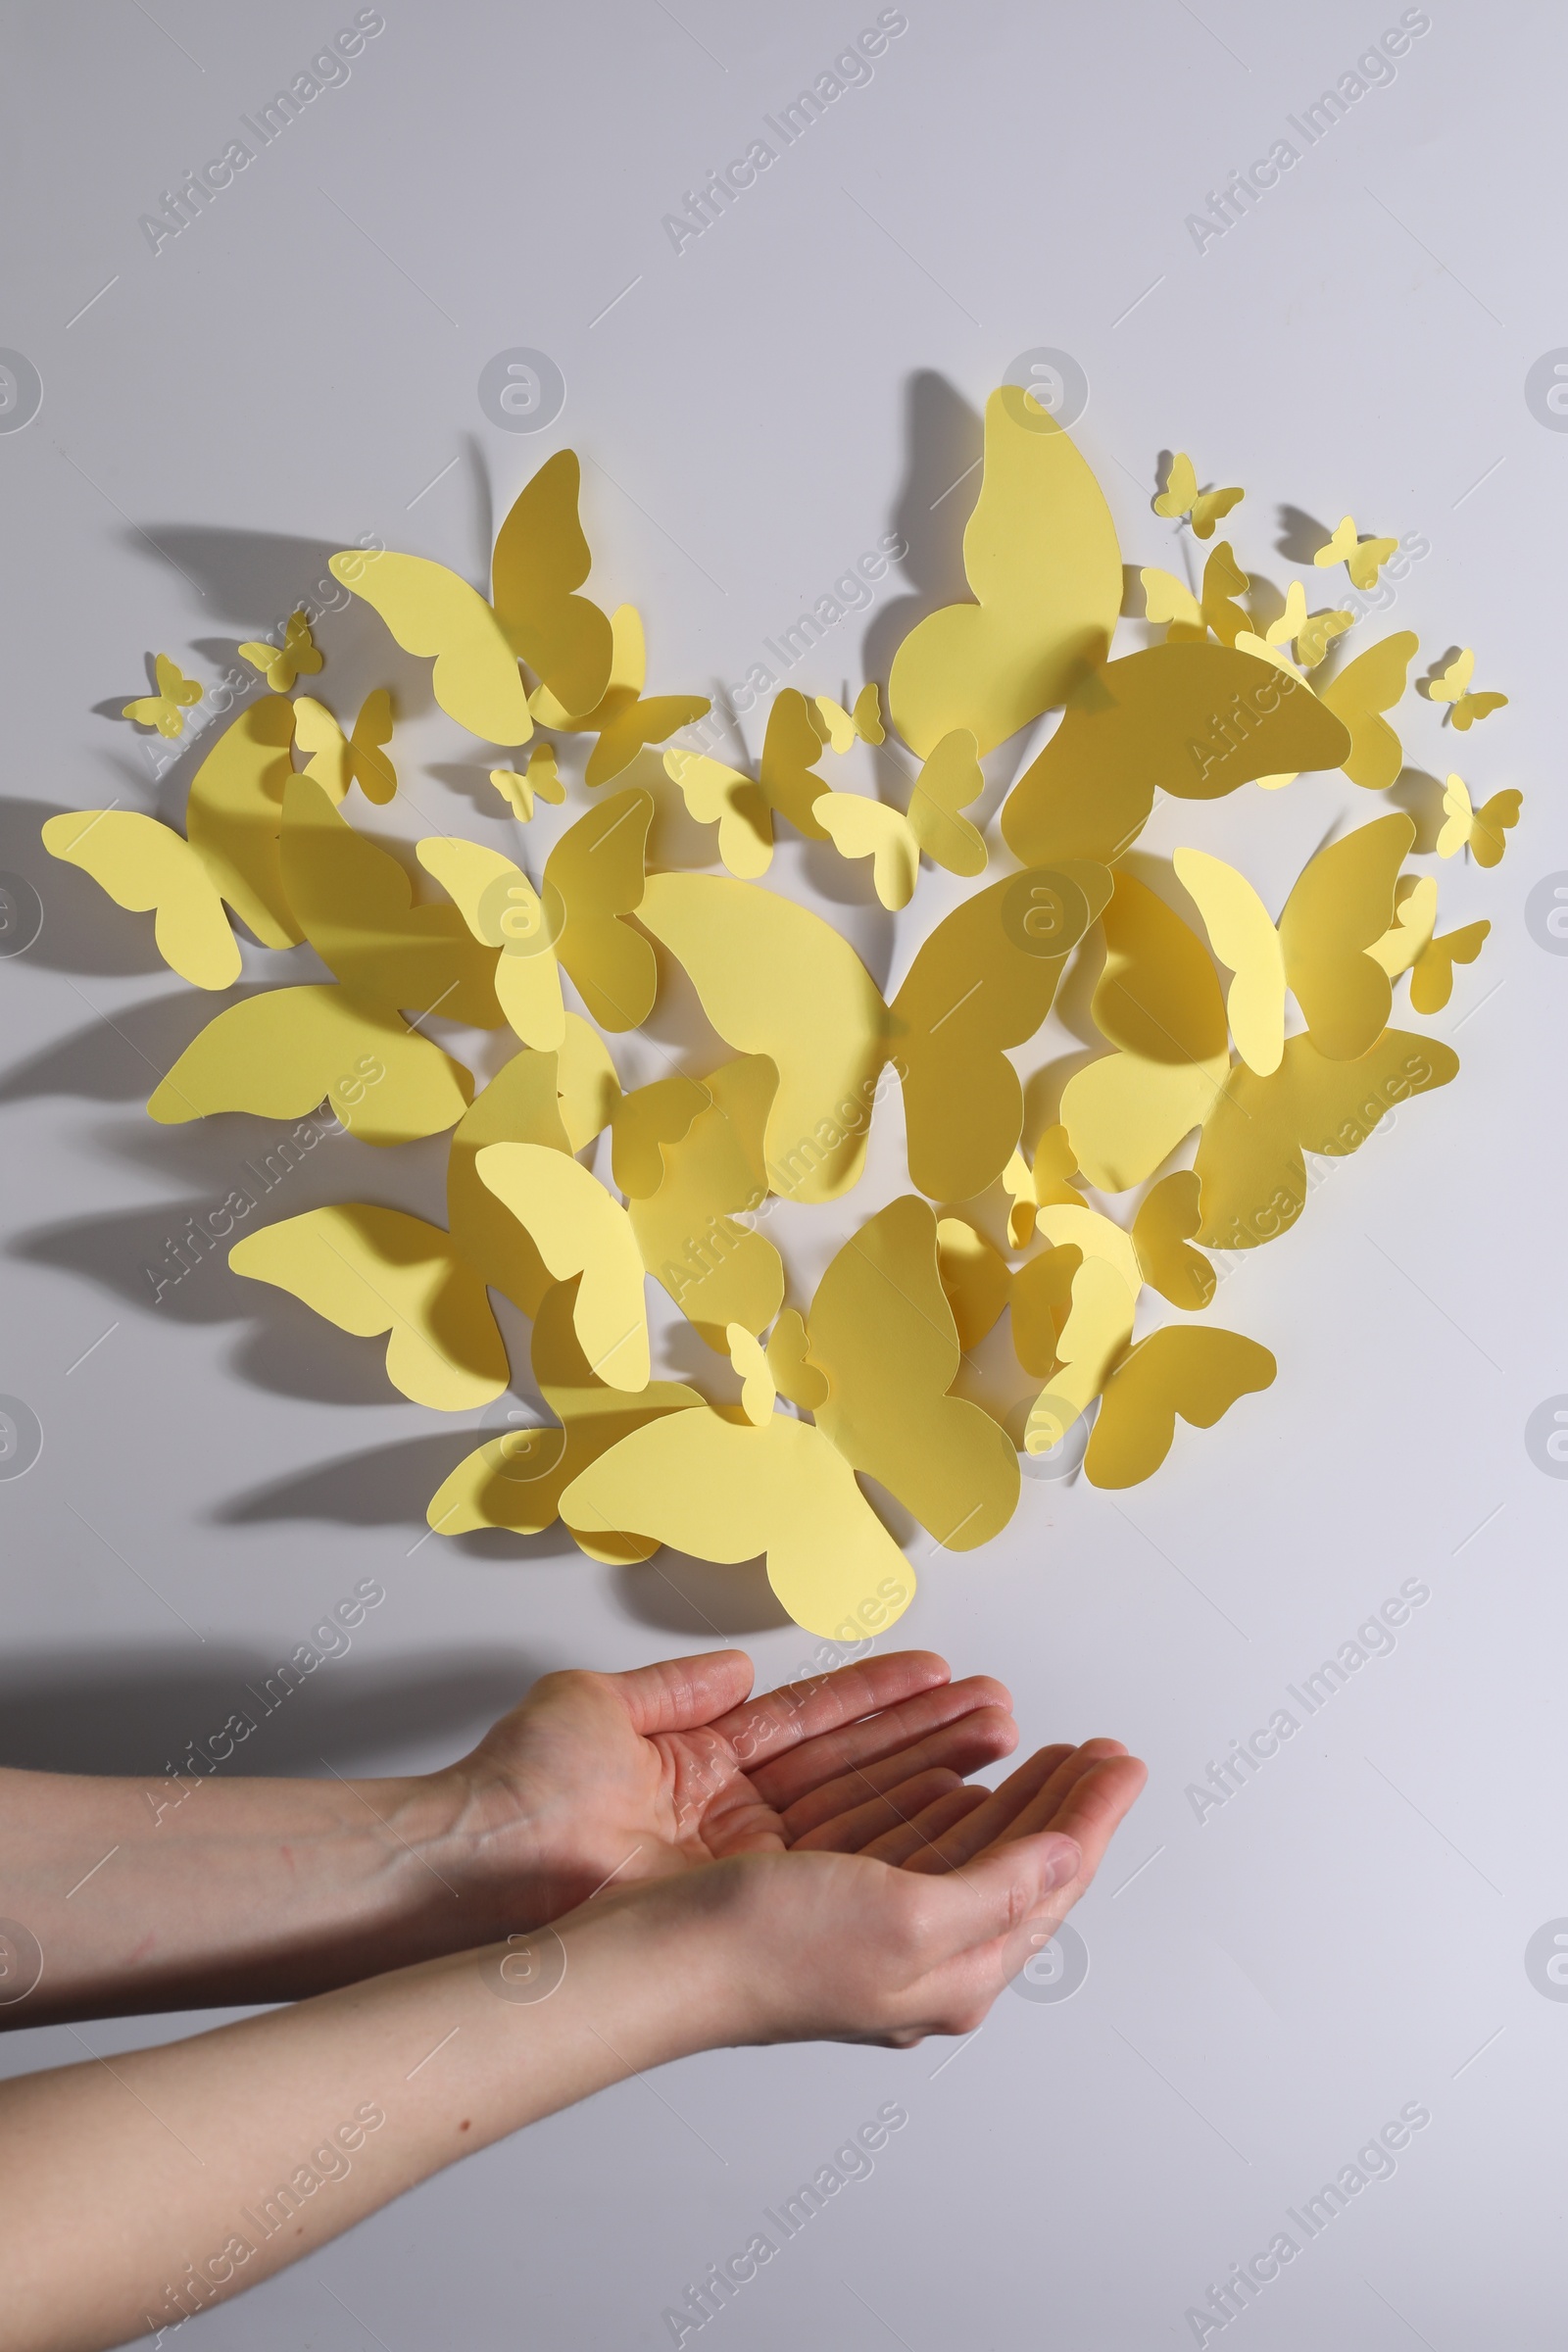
{"x": 715, "y": 794}
{"x": 1244, "y": 940}
{"x": 1195, "y": 720}
{"x": 983, "y": 982}
{"x": 175, "y": 689}
{"x": 787, "y": 776}
{"x": 1492, "y": 822}
{"x": 143, "y": 864}
{"x": 521, "y": 1104}
{"x": 318, "y": 733}
{"x": 883, "y": 1334}
{"x": 1040, "y": 553}
{"x": 1199, "y": 1374}
{"x": 430, "y": 611}
{"x": 861, "y": 828}
{"x": 976, "y": 1278}
{"x": 1432, "y": 975}
{"x": 279, "y": 1054}
{"x": 517, "y": 1479}
{"x": 540, "y": 557}
{"x": 718, "y": 1272}
{"x": 355, "y": 905}
{"x": 1471, "y": 706}
{"x": 234, "y": 815}
{"x": 1167, "y": 1219}
{"x": 1367, "y": 686}
{"x": 594, "y": 878}
{"x": 1181, "y": 488}
{"x": 578, "y": 1226}
{"x": 1343, "y": 904}
{"x": 1339, "y": 547}
{"x": 1166, "y": 599}
{"x": 1211, "y": 506}
{"x": 1458, "y": 817}
{"x": 1157, "y": 1001}
{"x": 375, "y": 1270}
{"x": 369, "y": 763}
{"x": 627, "y": 730}
{"x": 1366, "y": 560}
{"x": 949, "y": 780}
{"x": 1250, "y": 1164}
{"x": 1223, "y": 581}
{"x": 721, "y": 1489}
{"x": 773, "y": 978}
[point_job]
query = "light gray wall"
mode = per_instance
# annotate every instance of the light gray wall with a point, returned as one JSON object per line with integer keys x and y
{"x": 297, "y": 369}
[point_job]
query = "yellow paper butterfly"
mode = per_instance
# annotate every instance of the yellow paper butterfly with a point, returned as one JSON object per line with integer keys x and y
{"x": 773, "y": 978}
{"x": 1411, "y": 946}
{"x": 1481, "y": 831}
{"x": 281, "y": 664}
{"x": 539, "y": 780}
{"x": 840, "y": 728}
{"x": 975, "y": 1277}
{"x": 876, "y": 1356}
{"x": 375, "y": 1271}
{"x": 1453, "y": 687}
{"x": 1040, "y": 557}
{"x": 622, "y": 721}
{"x": 1363, "y": 559}
{"x": 230, "y": 851}
{"x": 1310, "y": 634}
{"x": 718, "y": 794}
{"x": 1168, "y": 599}
{"x": 1362, "y": 691}
{"x": 593, "y": 878}
{"x": 1341, "y": 907}
{"x": 1181, "y": 497}
{"x": 540, "y": 557}
{"x": 166, "y": 710}
{"x": 861, "y": 828}
{"x": 338, "y": 761}
{"x": 1034, "y": 1188}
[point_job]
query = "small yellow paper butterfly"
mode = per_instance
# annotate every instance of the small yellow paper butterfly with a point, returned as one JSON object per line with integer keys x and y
{"x": 1181, "y": 497}
{"x": 1363, "y": 559}
{"x": 540, "y": 781}
{"x": 1411, "y": 946}
{"x": 281, "y": 664}
{"x": 621, "y": 719}
{"x": 166, "y": 710}
{"x": 861, "y": 828}
{"x": 1168, "y": 599}
{"x": 337, "y": 760}
{"x": 1454, "y": 687}
{"x": 1478, "y": 830}
{"x": 840, "y": 728}
{"x": 717, "y": 794}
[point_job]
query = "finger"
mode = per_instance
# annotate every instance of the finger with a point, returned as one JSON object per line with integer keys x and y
{"x": 962, "y": 1746}
{"x": 1043, "y": 1769}
{"x": 781, "y": 1781}
{"x": 848, "y": 1831}
{"x": 991, "y": 1902}
{"x": 896, "y": 1845}
{"x": 675, "y": 1693}
{"x": 1090, "y": 1810}
{"x": 780, "y": 1719}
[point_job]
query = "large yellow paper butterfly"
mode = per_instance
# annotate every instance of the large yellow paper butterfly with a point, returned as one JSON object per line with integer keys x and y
{"x": 375, "y": 1271}
{"x": 540, "y": 557}
{"x": 874, "y": 1362}
{"x": 338, "y": 761}
{"x": 1481, "y": 831}
{"x": 592, "y": 879}
{"x": 1363, "y": 559}
{"x": 1039, "y": 554}
{"x": 1194, "y": 721}
{"x": 1453, "y": 688}
{"x": 1341, "y": 905}
{"x": 773, "y": 978}
{"x": 622, "y": 721}
{"x": 166, "y": 710}
{"x": 1181, "y": 497}
{"x": 281, "y": 664}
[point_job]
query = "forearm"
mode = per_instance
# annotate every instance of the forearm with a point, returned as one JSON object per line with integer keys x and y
{"x": 208, "y": 2164}
{"x": 241, "y": 1890}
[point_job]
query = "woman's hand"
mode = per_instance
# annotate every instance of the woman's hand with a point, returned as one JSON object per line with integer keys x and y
{"x": 623, "y": 1776}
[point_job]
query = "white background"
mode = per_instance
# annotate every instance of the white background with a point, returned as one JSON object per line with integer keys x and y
{"x": 1347, "y": 1933}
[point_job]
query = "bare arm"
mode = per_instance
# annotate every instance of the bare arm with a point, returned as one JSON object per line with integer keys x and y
{"x": 176, "y": 1893}
{"x": 222, "y": 2158}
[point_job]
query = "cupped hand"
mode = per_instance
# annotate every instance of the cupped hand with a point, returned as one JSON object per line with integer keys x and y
{"x": 620, "y": 1777}
{"x": 909, "y": 1936}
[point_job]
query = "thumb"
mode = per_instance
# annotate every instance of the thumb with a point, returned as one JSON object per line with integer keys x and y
{"x": 1004, "y": 1887}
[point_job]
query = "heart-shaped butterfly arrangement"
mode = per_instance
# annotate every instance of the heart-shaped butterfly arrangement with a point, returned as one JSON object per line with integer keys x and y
{"x": 867, "y": 1372}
